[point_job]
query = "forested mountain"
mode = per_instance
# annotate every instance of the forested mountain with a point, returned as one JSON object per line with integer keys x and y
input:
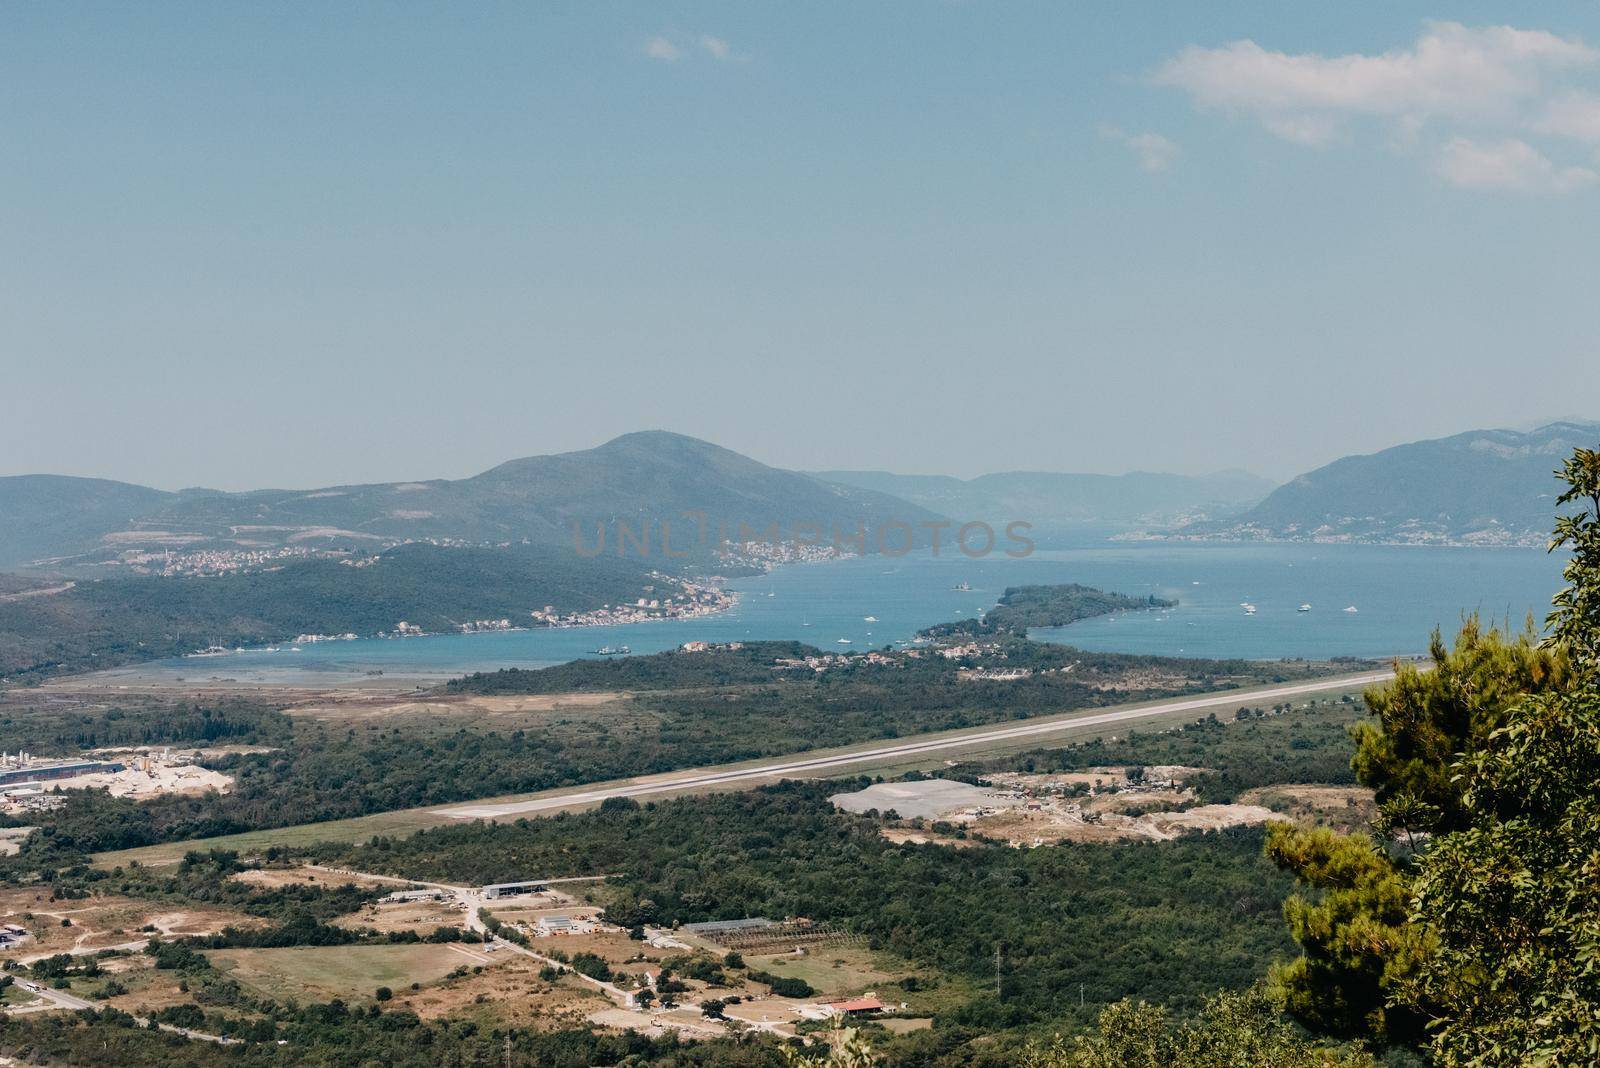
{"x": 43, "y": 516}
{"x": 1484, "y": 486}
{"x": 1043, "y": 497}
{"x": 104, "y": 622}
{"x": 651, "y": 475}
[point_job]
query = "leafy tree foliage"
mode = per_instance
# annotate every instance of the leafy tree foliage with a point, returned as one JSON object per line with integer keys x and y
{"x": 1575, "y": 623}
{"x": 1511, "y": 901}
{"x": 1364, "y": 952}
{"x": 1491, "y": 930}
{"x": 1242, "y": 1030}
{"x": 1356, "y": 945}
{"x": 1426, "y": 719}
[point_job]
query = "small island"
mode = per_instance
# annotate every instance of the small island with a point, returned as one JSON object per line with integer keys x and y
{"x": 1022, "y": 608}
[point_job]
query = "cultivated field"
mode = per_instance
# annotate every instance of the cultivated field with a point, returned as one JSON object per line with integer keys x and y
{"x": 351, "y": 972}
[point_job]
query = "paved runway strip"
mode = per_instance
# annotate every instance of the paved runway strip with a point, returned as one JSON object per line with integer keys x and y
{"x": 802, "y": 767}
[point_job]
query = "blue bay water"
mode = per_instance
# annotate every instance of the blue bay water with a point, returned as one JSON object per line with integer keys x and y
{"x": 1400, "y": 594}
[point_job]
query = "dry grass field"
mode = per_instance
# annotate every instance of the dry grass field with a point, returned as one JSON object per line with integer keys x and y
{"x": 317, "y": 973}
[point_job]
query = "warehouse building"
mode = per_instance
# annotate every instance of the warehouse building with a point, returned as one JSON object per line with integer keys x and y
{"x": 61, "y": 769}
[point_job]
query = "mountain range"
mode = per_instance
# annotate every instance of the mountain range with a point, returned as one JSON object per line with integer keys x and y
{"x": 1483, "y": 487}
{"x": 117, "y": 572}
{"x": 1480, "y": 487}
{"x": 64, "y": 523}
{"x": 1045, "y": 498}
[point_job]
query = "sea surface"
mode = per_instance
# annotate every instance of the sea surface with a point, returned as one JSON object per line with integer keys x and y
{"x": 1400, "y": 595}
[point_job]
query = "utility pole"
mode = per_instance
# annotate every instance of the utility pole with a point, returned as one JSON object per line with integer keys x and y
{"x": 999, "y": 982}
{"x": 508, "y": 1050}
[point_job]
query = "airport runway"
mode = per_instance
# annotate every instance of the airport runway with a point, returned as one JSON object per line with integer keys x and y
{"x": 800, "y": 766}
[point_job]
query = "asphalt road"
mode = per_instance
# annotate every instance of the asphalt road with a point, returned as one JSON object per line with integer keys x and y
{"x": 60, "y": 999}
{"x": 803, "y": 767}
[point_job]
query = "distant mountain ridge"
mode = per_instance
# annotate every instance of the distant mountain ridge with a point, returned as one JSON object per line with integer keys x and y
{"x": 1045, "y": 497}
{"x": 650, "y": 475}
{"x": 1482, "y": 487}
{"x": 55, "y": 515}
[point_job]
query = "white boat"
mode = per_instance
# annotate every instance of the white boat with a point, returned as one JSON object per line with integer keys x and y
{"x": 1303, "y": 608}
{"x": 962, "y": 587}
{"x": 1249, "y": 609}
{"x": 869, "y": 619}
{"x": 842, "y": 641}
{"x": 1350, "y": 608}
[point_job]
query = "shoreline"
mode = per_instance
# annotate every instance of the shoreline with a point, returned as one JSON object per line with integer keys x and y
{"x": 1137, "y": 538}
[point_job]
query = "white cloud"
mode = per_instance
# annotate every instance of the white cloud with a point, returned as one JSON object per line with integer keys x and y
{"x": 1470, "y": 97}
{"x": 673, "y": 47}
{"x": 1313, "y": 130}
{"x": 1574, "y": 115}
{"x": 1452, "y": 70}
{"x": 662, "y": 49}
{"x": 1154, "y": 152}
{"x": 1507, "y": 165}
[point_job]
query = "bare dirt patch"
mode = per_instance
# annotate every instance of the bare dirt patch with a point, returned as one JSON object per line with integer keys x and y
{"x": 40, "y": 591}
{"x": 509, "y": 711}
{"x": 913, "y": 836}
{"x": 1102, "y": 804}
{"x": 272, "y": 878}
{"x": 101, "y": 922}
{"x": 509, "y": 994}
{"x": 422, "y": 917}
{"x": 1343, "y": 808}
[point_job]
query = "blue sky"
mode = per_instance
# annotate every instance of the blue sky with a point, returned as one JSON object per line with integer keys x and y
{"x": 296, "y": 245}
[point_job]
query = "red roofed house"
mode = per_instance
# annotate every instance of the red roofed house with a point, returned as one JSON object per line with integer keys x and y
{"x": 856, "y": 1006}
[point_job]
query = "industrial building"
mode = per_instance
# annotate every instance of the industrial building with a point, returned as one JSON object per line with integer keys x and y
{"x": 60, "y": 769}
{"x": 498, "y": 890}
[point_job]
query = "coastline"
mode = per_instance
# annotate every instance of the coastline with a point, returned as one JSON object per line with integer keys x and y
{"x": 1540, "y": 542}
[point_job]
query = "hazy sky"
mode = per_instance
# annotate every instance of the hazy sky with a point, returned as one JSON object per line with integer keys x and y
{"x": 246, "y": 245}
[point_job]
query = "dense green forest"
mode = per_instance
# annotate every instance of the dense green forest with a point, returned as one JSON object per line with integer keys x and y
{"x": 910, "y": 679}
{"x": 99, "y": 624}
{"x": 61, "y": 727}
{"x": 1170, "y": 922}
{"x": 340, "y": 1036}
